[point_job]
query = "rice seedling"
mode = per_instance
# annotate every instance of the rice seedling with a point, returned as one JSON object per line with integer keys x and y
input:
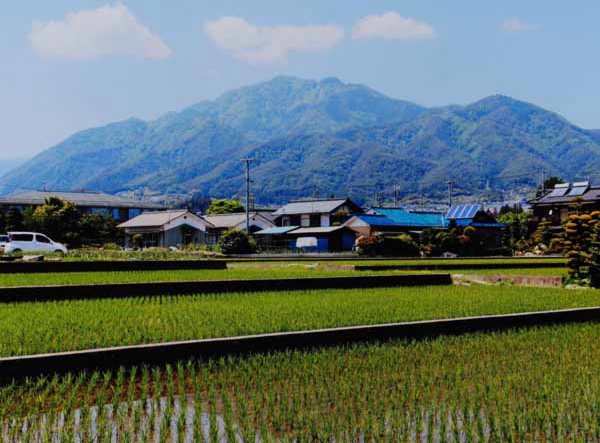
{"x": 31, "y": 328}
{"x": 528, "y": 385}
{"x": 252, "y": 271}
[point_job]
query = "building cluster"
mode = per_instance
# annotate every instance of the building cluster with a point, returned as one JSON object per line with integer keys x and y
{"x": 320, "y": 225}
{"x": 330, "y": 224}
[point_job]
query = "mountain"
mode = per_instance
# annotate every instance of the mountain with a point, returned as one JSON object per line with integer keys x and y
{"x": 8, "y": 164}
{"x": 324, "y": 135}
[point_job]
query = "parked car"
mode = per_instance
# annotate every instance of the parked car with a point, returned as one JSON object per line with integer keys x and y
{"x": 3, "y": 239}
{"x": 31, "y": 242}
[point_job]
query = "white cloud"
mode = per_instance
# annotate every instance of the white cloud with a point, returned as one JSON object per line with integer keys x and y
{"x": 95, "y": 33}
{"x": 515, "y": 24}
{"x": 392, "y": 25}
{"x": 270, "y": 43}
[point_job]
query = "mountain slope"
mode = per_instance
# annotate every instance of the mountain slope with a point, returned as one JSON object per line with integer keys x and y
{"x": 182, "y": 145}
{"x": 498, "y": 142}
{"x": 307, "y": 135}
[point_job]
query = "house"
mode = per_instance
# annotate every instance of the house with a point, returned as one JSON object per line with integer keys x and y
{"x": 554, "y": 204}
{"x": 369, "y": 225}
{"x": 274, "y": 238}
{"x": 165, "y": 229}
{"x": 220, "y": 223}
{"x": 315, "y": 213}
{"x": 488, "y": 228}
{"x": 321, "y": 239}
{"x": 87, "y": 202}
{"x": 412, "y": 221}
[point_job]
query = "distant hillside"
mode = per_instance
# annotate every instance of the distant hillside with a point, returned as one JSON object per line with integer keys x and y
{"x": 8, "y": 164}
{"x": 306, "y": 135}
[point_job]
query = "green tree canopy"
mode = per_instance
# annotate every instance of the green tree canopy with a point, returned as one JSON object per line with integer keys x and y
{"x": 224, "y": 206}
{"x": 14, "y": 219}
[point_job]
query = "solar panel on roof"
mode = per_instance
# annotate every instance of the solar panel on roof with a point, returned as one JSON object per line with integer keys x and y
{"x": 558, "y": 192}
{"x": 462, "y": 211}
{"x": 577, "y": 191}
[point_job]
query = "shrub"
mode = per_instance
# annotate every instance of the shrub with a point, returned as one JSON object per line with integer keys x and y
{"x": 236, "y": 242}
{"x": 111, "y": 247}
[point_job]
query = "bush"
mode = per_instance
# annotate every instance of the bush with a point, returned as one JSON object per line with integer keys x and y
{"x": 236, "y": 242}
{"x": 400, "y": 246}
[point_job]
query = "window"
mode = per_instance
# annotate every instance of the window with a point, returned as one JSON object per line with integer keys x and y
{"x": 21, "y": 237}
{"x": 42, "y": 238}
{"x": 305, "y": 220}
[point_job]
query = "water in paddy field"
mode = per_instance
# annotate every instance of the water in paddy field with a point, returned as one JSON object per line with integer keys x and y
{"x": 156, "y": 421}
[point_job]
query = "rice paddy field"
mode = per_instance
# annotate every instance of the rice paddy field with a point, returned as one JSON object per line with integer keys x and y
{"x": 31, "y": 328}
{"x": 236, "y": 271}
{"x": 528, "y": 385}
{"x": 535, "y": 385}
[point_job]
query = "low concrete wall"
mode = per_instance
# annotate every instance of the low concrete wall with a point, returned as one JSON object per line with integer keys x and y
{"x": 108, "y": 266}
{"x": 121, "y": 290}
{"x": 31, "y": 366}
{"x": 458, "y": 266}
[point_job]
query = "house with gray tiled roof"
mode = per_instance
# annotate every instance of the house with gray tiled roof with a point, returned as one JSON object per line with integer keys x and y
{"x": 315, "y": 213}
{"x": 121, "y": 208}
{"x": 553, "y": 205}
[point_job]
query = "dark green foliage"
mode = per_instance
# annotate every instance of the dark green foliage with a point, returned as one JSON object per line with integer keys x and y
{"x": 59, "y": 219}
{"x": 98, "y": 228}
{"x": 14, "y": 219}
{"x": 2, "y": 222}
{"x": 219, "y": 206}
{"x": 306, "y": 135}
{"x": 398, "y": 246}
{"x": 236, "y": 242}
{"x": 516, "y": 234}
{"x": 401, "y": 245}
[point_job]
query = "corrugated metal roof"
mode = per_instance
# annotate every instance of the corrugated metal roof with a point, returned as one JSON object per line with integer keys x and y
{"x": 88, "y": 199}
{"x": 310, "y": 207}
{"x": 463, "y": 211}
{"x": 319, "y": 230}
{"x": 413, "y": 219}
{"x": 377, "y": 220}
{"x": 276, "y": 230}
{"x": 158, "y": 219}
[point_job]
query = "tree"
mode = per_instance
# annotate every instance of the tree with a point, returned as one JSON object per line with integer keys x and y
{"x": 98, "y": 227}
{"x": 236, "y": 242}
{"x": 224, "y": 206}
{"x": 14, "y": 219}
{"x": 517, "y": 231}
{"x": 59, "y": 219}
{"x": 2, "y": 221}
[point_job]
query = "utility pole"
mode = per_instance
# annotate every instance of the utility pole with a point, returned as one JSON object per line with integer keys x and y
{"x": 450, "y": 184}
{"x": 396, "y": 197}
{"x": 543, "y": 184}
{"x": 247, "y": 161}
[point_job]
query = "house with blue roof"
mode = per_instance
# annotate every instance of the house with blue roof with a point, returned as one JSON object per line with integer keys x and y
{"x": 412, "y": 220}
{"x": 370, "y": 224}
{"x": 488, "y": 228}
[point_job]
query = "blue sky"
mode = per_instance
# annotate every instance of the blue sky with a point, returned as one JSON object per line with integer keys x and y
{"x": 72, "y": 64}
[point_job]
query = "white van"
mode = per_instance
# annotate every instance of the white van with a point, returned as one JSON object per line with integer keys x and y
{"x": 31, "y": 242}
